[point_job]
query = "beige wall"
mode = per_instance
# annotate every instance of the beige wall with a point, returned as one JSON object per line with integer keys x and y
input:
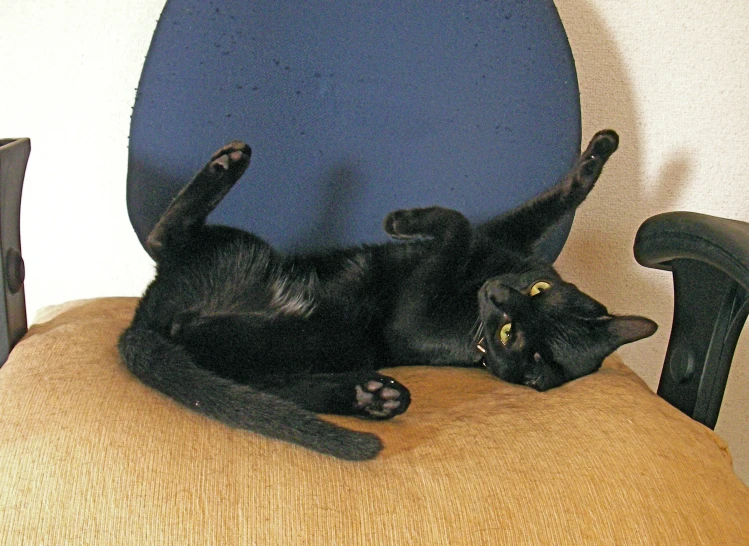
{"x": 671, "y": 76}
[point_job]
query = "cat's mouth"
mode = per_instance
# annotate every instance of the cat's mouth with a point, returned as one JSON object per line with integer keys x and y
{"x": 503, "y": 335}
{"x": 496, "y": 329}
{"x": 480, "y": 353}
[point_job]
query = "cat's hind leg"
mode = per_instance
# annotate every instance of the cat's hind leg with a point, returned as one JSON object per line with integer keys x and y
{"x": 380, "y": 397}
{"x": 198, "y": 198}
{"x": 171, "y": 370}
{"x": 369, "y": 395}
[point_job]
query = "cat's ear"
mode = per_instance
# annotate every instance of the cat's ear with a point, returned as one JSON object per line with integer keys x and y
{"x": 598, "y": 339}
{"x": 626, "y": 329}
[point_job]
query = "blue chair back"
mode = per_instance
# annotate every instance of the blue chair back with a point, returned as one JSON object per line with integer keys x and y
{"x": 355, "y": 108}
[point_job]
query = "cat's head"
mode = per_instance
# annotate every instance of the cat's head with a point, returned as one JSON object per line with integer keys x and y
{"x": 540, "y": 331}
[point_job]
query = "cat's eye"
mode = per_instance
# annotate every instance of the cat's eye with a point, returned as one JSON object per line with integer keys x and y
{"x": 539, "y": 287}
{"x": 503, "y": 333}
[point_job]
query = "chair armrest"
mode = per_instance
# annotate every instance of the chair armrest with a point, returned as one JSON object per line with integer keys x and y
{"x": 709, "y": 259}
{"x": 14, "y": 155}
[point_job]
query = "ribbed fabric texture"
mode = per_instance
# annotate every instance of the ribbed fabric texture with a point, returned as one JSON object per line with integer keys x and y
{"x": 91, "y": 456}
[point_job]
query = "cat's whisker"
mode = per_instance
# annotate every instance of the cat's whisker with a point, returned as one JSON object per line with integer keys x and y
{"x": 477, "y": 330}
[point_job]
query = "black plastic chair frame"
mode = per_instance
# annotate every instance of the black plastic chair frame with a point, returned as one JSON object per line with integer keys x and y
{"x": 709, "y": 259}
{"x": 708, "y": 256}
{"x": 14, "y": 155}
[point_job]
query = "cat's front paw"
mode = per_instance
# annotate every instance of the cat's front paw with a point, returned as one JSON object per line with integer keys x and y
{"x": 396, "y": 224}
{"x": 601, "y": 146}
{"x": 425, "y": 222}
{"x": 380, "y": 397}
{"x": 232, "y": 158}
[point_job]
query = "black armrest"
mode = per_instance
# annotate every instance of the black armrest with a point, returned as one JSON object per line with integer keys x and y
{"x": 709, "y": 259}
{"x": 14, "y": 154}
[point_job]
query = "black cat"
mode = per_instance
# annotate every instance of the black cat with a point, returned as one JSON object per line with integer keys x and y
{"x": 260, "y": 341}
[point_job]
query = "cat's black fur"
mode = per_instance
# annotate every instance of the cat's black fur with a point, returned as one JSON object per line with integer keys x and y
{"x": 262, "y": 341}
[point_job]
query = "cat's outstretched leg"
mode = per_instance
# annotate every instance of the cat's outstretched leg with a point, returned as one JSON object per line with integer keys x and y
{"x": 521, "y": 228}
{"x": 370, "y": 395}
{"x": 198, "y": 198}
{"x": 415, "y": 331}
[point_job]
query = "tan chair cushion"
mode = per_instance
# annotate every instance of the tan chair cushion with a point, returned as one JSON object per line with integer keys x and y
{"x": 91, "y": 456}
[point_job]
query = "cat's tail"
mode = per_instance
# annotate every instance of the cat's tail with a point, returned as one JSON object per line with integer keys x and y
{"x": 171, "y": 370}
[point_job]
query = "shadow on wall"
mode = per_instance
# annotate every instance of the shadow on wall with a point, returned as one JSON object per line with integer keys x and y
{"x": 598, "y": 253}
{"x": 340, "y": 187}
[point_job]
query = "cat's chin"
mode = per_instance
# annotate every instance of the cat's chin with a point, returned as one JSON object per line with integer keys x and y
{"x": 503, "y": 371}
{"x": 536, "y": 373}
{"x": 543, "y": 382}
{"x": 538, "y": 382}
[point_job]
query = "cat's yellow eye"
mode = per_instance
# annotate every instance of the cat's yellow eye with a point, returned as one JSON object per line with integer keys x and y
{"x": 539, "y": 287}
{"x": 503, "y": 334}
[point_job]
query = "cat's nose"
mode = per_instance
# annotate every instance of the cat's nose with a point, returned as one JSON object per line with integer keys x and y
{"x": 496, "y": 292}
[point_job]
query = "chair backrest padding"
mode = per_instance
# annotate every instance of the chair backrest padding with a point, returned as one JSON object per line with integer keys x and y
{"x": 354, "y": 109}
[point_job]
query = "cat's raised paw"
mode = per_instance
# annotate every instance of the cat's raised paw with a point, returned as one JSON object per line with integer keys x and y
{"x": 395, "y": 222}
{"x": 233, "y": 158}
{"x": 424, "y": 222}
{"x": 381, "y": 397}
{"x": 603, "y": 144}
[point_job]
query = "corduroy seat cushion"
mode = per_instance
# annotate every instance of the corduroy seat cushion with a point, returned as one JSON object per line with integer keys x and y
{"x": 91, "y": 456}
